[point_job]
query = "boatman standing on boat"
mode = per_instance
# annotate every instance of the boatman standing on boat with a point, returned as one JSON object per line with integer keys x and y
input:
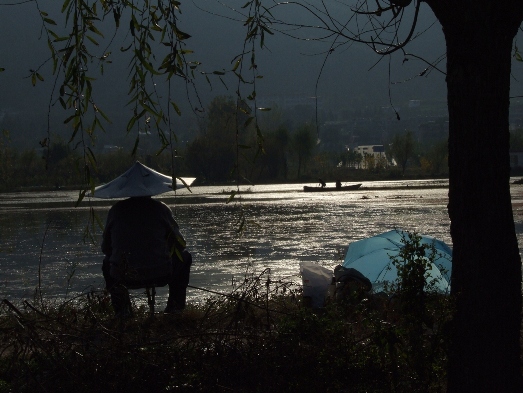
{"x": 142, "y": 242}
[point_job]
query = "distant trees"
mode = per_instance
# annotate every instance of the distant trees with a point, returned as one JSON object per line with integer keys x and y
{"x": 27, "y": 169}
{"x": 303, "y": 144}
{"x": 224, "y": 146}
{"x": 274, "y": 161}
{"x": 212, "y": 154}
{"x": 353, "y": 159}
{"x": 6, "y": 160}
{"x": 402, "y": 148}
{"x": 435, "y": 159}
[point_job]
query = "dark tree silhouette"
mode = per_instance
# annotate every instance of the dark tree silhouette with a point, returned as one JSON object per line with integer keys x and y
{"x": 303, "y": 143}
{"x": 486, "y": 274}
{"x": 402, "y": 149}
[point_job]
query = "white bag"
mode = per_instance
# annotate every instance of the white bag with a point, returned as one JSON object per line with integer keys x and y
{"x": 316, "y": 280}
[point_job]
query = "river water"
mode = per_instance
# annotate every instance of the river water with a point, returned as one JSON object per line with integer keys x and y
{"x": 42, "y": 243}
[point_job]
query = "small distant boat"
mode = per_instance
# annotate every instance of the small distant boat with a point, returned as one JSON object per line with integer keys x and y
{"x": 342, "y": 188}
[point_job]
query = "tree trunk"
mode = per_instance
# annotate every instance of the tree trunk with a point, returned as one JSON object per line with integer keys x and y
{"x": 486, "y": 273}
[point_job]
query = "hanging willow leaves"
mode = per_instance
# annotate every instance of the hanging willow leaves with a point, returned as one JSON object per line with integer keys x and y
{"x": 155, "y": 44}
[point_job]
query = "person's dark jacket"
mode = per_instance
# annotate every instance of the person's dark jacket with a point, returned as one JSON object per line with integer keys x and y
{"x": 140, "y": 239}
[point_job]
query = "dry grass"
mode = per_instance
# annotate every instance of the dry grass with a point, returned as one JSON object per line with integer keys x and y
{"x": 258, "y": 338}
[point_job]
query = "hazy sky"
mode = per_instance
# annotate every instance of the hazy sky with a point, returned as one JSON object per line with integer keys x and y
{"x": 289, "y": 66}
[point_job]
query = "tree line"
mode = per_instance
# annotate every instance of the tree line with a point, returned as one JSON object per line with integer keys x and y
{"x": 224, "y": 149}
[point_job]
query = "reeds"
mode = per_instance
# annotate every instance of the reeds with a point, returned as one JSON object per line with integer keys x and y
{"x": 259, "y": 337}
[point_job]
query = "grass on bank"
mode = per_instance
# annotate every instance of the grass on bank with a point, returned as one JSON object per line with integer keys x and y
{"x": 261, "y": 337}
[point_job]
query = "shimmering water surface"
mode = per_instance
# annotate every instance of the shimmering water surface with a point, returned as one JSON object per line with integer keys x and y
{"x": 41, "y": 234}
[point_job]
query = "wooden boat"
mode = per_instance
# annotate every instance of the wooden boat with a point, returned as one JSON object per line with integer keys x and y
{"x": 323, "y": 189}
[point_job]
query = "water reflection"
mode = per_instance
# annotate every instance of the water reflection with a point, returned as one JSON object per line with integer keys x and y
{"x": 43, "y": 231}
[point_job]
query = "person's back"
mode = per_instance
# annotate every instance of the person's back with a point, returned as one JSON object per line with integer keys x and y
{"x": 138, "y": 238}
{"x": 142, "y": 243}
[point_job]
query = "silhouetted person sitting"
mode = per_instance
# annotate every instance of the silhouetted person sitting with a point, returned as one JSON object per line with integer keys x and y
{"x": 143, "y": 248}
{"x": 142, "y": 242}
{"x": 338, "y": 184}
{"x": 322, "y": 183}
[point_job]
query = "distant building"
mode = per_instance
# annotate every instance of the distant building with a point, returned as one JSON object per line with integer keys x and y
{"x": 372, "y": 155}
{"x": 376, "y": 150}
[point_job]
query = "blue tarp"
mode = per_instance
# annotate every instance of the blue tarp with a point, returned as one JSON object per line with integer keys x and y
{"x": 372, "y": 258}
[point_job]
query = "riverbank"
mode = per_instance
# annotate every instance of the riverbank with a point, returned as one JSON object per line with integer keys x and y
{"x": 260, "y": 337}
{"x": 200, "y": 194}
{"x": 385, "y": 184}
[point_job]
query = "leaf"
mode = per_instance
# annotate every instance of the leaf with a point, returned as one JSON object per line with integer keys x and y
{"x": 248, "y": 121}
{"x": 264, "y": 109}
{"x": 91, "y": 157}
{"x": 50, "y": 21}
{"x": 240, "y": 77}
{"x": 131, "y": 123}
{"x": 150, "y": 109}
{"x": 267, "y": 29}
{"x": 98, "y": 123}
{"x": 40, "y": 77}
{"x": 107, "y": 119}
{"x": 237, "y": 64}
{"x": 135, "y": 148}
{"x": 93, "y": 28}
{"x": 131, "y": 26}
{"x": 242, "y": 225}
{"x": 181, "y": 35}
{"x": 231, "y": 197}
{"x": 178, "y": 111}
{"x": 69, "y": 119}
{"x": 2, "y": 69}
{"x": 81, "y": 196}
{"x": 33, "y": 79}
{"x": 92, "y": 40}
{"x": 65, "y": 5}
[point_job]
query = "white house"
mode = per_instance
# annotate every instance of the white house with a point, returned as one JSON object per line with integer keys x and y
{"x": 376, "y": 150}
{"x": 376, "y": 153}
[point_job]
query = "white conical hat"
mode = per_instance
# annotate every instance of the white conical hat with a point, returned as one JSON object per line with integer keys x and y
{"x": 139, "y": 180}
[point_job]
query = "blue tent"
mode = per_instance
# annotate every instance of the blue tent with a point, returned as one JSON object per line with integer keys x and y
{"x": 372, "y": 258}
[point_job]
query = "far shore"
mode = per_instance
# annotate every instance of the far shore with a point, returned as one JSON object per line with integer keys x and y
{"x": 401, "y": 184}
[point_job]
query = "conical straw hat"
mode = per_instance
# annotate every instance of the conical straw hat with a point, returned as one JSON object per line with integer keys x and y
{"x": 139, "y": 180}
